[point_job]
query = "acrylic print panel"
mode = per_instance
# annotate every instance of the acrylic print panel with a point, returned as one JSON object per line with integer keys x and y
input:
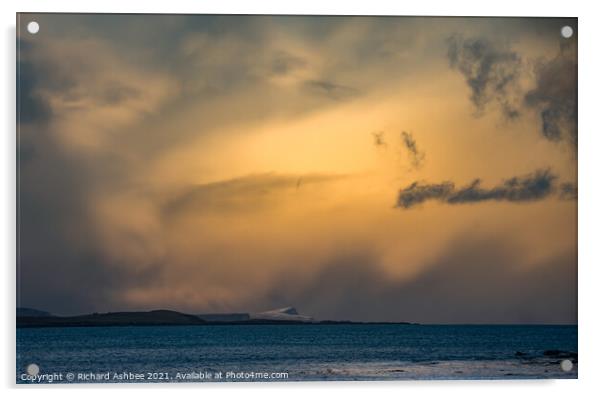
{"x": 206, "y": 198}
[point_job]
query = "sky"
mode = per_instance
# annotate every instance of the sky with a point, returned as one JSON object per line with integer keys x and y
{"x": 357, "y": 168}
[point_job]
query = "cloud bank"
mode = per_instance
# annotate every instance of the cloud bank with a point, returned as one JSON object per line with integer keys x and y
{"x": 221, "y": 163}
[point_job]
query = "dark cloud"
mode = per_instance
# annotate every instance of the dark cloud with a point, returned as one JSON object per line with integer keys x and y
{"x": 526, "y": 188}
{"x": 491, "y": 70}
{"x": 475, "y": 280}
{"x": 379, "y": 138}
{"x": 74, "y": 79}
{"x": 568, "y": 191}
{"x": 535, "y": 186}
{"x": 416, "y": 156}
{"x": 30, "y": 106}
{"x": 60, "y": 264}
{"x": 331, "y": 90}
{"x": 555, "y": 95}
{"x": 417, "y": 193}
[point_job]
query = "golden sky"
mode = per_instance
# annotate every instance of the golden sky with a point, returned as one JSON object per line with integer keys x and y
{"x": 362, "y": 168}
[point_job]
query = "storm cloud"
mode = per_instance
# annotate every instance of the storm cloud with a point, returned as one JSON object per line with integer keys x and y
{"x": 475, "y": 277}
{"x": 555, "y": 95}
{"x": 222, "y": 163}
{"x": 535, "y": 186}
{"x": 490, "y": 70}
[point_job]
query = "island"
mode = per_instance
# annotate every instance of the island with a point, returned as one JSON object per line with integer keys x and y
{"x": 30, "y": 318}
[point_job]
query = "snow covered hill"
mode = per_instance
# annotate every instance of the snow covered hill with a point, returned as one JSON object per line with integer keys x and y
{"x": 284, "y": 314}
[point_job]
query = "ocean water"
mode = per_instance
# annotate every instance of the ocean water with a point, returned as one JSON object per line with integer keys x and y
{"x": 292, "y": 353}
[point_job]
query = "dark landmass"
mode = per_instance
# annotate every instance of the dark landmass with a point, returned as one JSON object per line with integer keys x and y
{"x": 225, "y": 317}
{"x": 155, "y": 317}
{"x": 160, "y": 317}
{"x": 28, "y": 312}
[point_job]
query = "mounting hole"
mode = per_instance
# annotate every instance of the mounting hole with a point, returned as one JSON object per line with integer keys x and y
{"x": 566, "y": 32}
{"x": 566, "y": 365}
{"x": 33, "y": 369}
{"x": 33, "y": 27}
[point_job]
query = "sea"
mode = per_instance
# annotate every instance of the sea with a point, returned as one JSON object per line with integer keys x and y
{"x": 309, "y": 352}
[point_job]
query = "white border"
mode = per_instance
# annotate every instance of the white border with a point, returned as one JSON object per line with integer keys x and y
{"x": 590, "y": 196}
